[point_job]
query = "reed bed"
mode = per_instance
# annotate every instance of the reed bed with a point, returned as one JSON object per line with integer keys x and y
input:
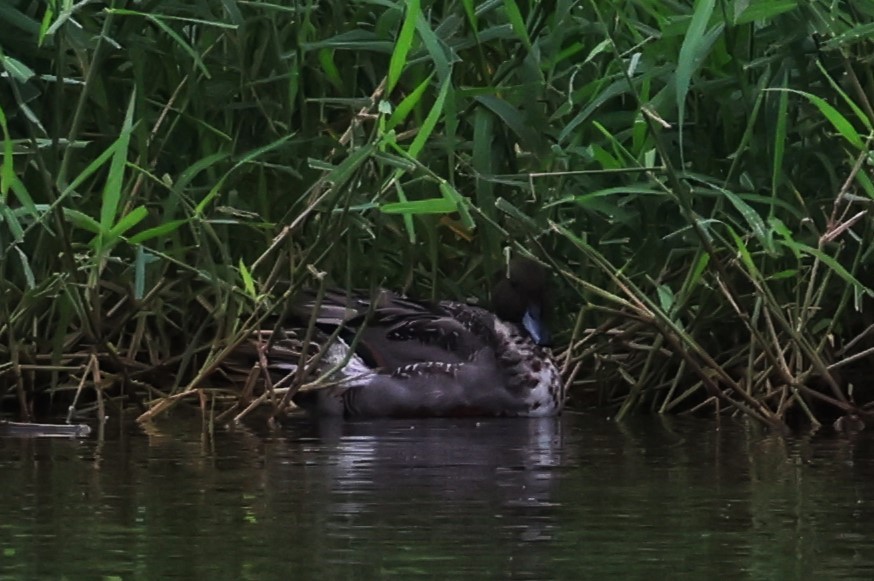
{"x": 697, "y": 173}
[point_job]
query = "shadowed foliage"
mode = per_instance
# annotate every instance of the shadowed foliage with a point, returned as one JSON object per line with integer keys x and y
{"x": 697, "y": 173}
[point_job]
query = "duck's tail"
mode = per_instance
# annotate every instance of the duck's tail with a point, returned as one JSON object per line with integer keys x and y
{"x": 317, "y": 373}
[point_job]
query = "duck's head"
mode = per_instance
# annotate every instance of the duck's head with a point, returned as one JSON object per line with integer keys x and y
{"x": 520, "y": 295}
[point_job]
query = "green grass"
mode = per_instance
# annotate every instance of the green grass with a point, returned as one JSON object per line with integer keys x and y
{"x": 698, "y": 173}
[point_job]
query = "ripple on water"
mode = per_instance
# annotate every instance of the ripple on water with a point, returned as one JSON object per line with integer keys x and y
{"x": 540, "y": 498}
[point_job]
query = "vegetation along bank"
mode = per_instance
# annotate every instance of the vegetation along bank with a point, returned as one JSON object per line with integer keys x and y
{"x": 697, "y": 174}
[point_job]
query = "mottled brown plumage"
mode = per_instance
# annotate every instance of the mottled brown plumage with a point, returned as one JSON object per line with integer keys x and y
{"x": 418, "y": 358}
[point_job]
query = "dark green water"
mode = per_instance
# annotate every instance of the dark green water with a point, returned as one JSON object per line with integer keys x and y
{"x": 576, "y": 498}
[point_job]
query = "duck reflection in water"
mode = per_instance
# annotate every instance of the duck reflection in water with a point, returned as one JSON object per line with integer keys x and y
{"x": 430, "y": 473}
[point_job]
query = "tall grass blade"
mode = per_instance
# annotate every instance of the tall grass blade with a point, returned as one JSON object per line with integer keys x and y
{"x": 404, "y": 43}
{"x": 696, "y": 45}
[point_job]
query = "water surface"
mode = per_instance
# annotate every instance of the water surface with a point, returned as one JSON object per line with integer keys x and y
{"x": 570, "y": 498}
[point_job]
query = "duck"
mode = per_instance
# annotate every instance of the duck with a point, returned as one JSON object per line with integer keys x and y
{"x": 393, "y": 356}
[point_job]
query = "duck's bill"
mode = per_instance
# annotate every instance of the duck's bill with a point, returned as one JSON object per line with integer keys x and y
{"x": 533, "y": 323}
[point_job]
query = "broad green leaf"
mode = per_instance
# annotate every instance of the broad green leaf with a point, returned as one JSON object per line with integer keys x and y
{"x": 779, "y": 140}
{"x": 857, "y": 111}
{"x": 254, "y": 154}
{"x": 7, "y": 169}
{"x": 620, "y": 190}
{"x": 450, "y": 193}
{"x": 194, "y": 170}
{"x": 115, "y": 180}
{"x": 234, "y": 12}
{"x": 752, "y": 218}
{"x": 838, "y": 121}
{"x": 436, "y": 49}
{"x": 210, "y": 196}
{"x": 358, "y": 39}
{"x": 83, "y": 221}
{"x": 761, "y": 10}
{"x": 517, "y": 22}
{"x": 25, "y": 266}
{"x": 615, "y": 89}
{"x": 698, "y": 271}
{"x": 666, "y": 297}
{"x": 859, "y": 31}
{"x": 130, "y": 220}
{"x": 430, "y": 122}
{"x": 172, "y": 18}
{"x": 13, "y": 18}
{"x": 696, "y": 45}
{"x": 248, "y": 281}
{"x": 16, "y": 69}
{"x": 403, "y": 45}
{"x": 470, "y": 12}
{"x": 780, "y": 228}
{"x": 13, "y": 224}
{"x": 833, "y": 264}
{"x": 157, "y": 231}
{"x": 91, "y": 168}
{"x": 186, "y": 47}
{"x": 511, "y": 210}
{"x": 784, "y": 274}
{"x": 408, "y": 104}
{"x": 483, "y": 159}
{"x": 529, "y": 138}
{"x": 247, "y": 158}
{"x": 865, "y": 183}
{"x": 409, "y": 226}
{"x": 744, "y": 254}
{"x": 329, "y": 68}
{"x": 601, "y": 47}
{"x": 344, "y": 171}
{"x": 47, "y": 19}
{"x": 429, "y": 206}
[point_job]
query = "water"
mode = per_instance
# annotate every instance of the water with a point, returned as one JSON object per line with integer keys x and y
{"x": 575, "y": 498}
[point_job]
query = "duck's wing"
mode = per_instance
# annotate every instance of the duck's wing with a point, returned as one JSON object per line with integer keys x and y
{"x": 403, "y": 332}
{"x": 336, "y": 308}
{"x": 394, "y": 331}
